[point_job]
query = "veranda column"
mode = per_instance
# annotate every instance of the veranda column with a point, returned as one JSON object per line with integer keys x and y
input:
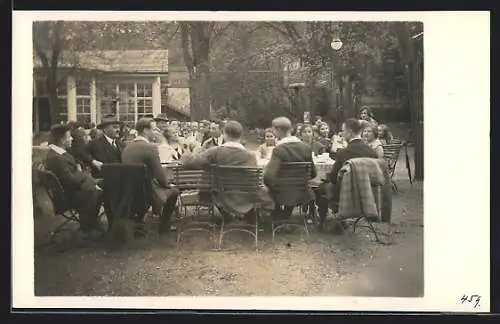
{"x": 93, "y": 101}
{"x": 156, "y": 96}
{"x": 71, "y": 98}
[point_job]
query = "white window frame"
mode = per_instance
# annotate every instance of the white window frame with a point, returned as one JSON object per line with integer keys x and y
{"x": 84, "y": 97}
{"x": 135, "y": 97}
{"x": 119, "y": 98}
{"x": 143, "y": 98}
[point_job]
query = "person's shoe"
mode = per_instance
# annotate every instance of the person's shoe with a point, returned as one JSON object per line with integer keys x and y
{"x": 337, "y": 229}
{"x": 164, "y": 228}
{"x": 140, "y": 230}
{"x": 215, "y": 219}
{"x": 92, "y": 235}
{"x": 250, "y": 218}
{"x": 278, "y": 215}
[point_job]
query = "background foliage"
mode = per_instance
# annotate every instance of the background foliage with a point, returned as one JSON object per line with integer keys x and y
{"x": 238, "y": 69}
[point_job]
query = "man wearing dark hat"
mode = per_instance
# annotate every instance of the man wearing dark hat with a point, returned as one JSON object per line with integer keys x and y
{"x": 106, "y": 148}
{"x": 161, "y": 121}
{"x": 141, "y": 150}
{"x": 80, "y": 189}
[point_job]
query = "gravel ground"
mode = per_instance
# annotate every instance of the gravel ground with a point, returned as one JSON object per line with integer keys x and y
{"x": 294, "y": 265}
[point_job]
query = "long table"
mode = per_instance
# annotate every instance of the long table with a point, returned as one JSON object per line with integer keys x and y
{"x": 322, "y": 169}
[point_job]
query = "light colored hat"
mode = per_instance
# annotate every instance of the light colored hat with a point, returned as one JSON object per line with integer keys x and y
{"x": 161, "y": 117}
{"x": 108, "y": 120}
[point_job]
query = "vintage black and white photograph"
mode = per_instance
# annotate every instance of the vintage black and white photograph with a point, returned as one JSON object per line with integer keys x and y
{"x": 228, "y": 157}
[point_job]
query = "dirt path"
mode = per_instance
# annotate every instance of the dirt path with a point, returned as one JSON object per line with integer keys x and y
{"x": 319, "y": 265}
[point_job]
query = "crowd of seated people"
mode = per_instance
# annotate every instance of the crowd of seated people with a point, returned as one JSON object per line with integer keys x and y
{"x": 77, "y": 155}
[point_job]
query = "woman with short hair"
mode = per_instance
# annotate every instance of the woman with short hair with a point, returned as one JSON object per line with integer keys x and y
{"x": 370, "y": 136}
{"x": 266, "y": 149}
{"x": 307, "y": 136}
{"x": 366, "y": 114}
{"x": 384, "y": 134}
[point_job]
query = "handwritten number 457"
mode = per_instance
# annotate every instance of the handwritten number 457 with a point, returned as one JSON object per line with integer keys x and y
{"x": 472, "y": 298}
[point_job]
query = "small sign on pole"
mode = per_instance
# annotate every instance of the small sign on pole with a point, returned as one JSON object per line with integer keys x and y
{"x": 307, "y": 117}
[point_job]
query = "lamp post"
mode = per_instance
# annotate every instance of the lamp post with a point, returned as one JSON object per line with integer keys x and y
{"x": 336, "y": 45}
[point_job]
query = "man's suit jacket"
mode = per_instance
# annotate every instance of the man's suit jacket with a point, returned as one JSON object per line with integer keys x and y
{"x": 317, "y": 148}
{"x": 139, "y": 151}
{"x": 293, "y": 151}
{"x": 225, "y": 155}
{"x": 73, "y": 180}
{"x": 213, "y": 142}
{"x": 355, "y": 149}
{"x": 101, "y": 150}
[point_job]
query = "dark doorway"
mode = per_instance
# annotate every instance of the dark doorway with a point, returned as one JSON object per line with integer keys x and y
{"x": 42, "y": 106}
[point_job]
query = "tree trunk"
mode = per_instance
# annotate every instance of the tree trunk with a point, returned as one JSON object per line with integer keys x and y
{"x": 310, "y": 100}
{"x": 199, "y": 95}
{"x": 348, "y": 102}
{"x": 53, "y": 98}
{"x": 204, "y": 91}
{"x": 193, "y": 99}
{"x": 418, "y": 113}
{"x": 412, "y": 57}
{"x": 195, "y": 41}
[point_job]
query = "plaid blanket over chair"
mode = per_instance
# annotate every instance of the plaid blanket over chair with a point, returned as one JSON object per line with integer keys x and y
{"x": 357, "y": 197}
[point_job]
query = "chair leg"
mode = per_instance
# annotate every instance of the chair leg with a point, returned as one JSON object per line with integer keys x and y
{"x": 372, "y": 229}
{"x": 394, "y": 186}
{"x": 221, "y": 236}
{"x": 355, "y": 224}
{"x": 179, "y": 234}
{"x": 306, "y": 229}
{"x": 59, "y": 229}
{"x": 256, "y": 230}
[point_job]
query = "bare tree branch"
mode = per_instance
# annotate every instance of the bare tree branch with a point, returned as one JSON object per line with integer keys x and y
{"x": 38, "y": 48}
{"x": 216, "y": 35}
{"x": 185, "y": 36}
{"x": 279, "y": 30}
{"x": 292, "y": 31}
{"x": 173, "y": 34}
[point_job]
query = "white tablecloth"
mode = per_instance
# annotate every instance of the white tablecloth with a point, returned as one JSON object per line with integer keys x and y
{"x": 322, "y": 164}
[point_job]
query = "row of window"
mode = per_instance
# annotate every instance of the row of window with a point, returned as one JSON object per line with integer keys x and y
{"x": 129, "y": 101}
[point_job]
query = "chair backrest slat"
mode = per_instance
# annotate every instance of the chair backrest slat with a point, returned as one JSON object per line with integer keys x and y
{"x": 237, "y": 179}
{"x": 293, "y": 178}
{"x": 186, "y": 179}
{"x": 54, "y": 188}
{"x": 391, "y": 151}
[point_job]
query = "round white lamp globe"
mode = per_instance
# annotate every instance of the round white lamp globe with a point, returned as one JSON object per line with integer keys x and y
{"x": 336, "y": 44}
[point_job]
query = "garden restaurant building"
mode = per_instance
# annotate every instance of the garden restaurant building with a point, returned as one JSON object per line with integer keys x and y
{"x": 129, "y": 84}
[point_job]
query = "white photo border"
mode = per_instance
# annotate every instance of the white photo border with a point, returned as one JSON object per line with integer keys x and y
{"x": 456, "y": 186}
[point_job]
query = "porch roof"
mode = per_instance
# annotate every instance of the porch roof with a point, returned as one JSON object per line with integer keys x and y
{"x": 130, "y": 61}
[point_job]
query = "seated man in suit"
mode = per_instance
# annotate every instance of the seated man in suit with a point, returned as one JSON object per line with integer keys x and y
{"x": 288, "y": 149}
{"x": 81, "y": 190}
{"x": 164, "y": 195}
{"x": 215, "y": 137}
{"x": 106, "y": 148}
{"x": 231, "y": 153}
{"x": 356, "y": 148}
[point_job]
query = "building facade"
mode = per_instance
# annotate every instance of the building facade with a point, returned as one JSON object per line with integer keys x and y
{"x": 128, "y": 84}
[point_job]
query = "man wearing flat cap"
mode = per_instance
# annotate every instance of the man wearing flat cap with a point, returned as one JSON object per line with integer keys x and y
{"x": 162, "y": 121}
{"x": 106, "y": 148}
{"x": 80, "y": 189}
